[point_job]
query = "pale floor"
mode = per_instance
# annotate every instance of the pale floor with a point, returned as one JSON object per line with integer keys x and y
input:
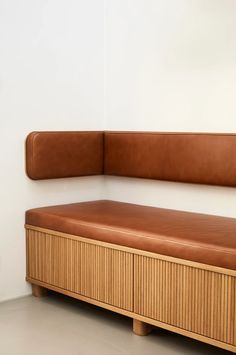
{"x": 63, "y": 326}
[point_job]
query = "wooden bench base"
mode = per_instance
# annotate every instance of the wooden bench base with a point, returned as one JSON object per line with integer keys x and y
{"x": 192, "y": 299}
{"x": 39, "y": 291}
{"x": 141, "y": 328}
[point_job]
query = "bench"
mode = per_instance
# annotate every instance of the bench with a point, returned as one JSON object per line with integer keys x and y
{"x": 166, "y": 268}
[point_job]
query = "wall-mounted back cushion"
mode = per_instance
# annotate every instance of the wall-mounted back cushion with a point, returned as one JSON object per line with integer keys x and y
{"x": 184, "y": 157}
{"x": 64, "y": 154}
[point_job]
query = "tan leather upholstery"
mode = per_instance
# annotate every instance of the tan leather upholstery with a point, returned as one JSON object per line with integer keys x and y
{"x": 64, "y": 154}
{"x": 183, "y": 157}
{"x": 195, "y": 158}
{"x": 191, "y": 236}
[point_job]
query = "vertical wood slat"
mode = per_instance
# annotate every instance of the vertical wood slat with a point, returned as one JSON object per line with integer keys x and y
{"x": 196, "y": 300}
{"x": 90, "y": 270}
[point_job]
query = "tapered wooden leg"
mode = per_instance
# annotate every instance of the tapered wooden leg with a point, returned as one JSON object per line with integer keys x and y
{"x": 38, "y": 291}
{"x": 141, "y": 328}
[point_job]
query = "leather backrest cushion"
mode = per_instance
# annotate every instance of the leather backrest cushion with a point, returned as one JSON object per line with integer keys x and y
{"x": 52, "y": 155}
{"x": 185, "y": 157}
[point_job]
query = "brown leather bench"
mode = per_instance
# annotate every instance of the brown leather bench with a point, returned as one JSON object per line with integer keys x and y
{"x": 167, "y": 268}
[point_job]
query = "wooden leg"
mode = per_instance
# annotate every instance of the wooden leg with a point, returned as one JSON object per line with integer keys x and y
{"x": 38, "y": 291}
{"x": 141, "y": 328}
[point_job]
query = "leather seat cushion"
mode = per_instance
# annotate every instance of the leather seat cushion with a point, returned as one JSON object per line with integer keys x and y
{"x": 190, "y": 236}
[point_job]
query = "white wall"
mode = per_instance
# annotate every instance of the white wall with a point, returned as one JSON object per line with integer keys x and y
{"x": 51, "y": 78}
{"x": 170, "y": 65}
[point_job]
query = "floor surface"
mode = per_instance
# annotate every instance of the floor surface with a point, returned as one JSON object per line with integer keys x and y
{"x": 59, "y": 325}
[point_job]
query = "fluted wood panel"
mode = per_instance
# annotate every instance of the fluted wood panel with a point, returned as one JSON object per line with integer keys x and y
{"x": 186, "y": 297}
{"x": 90, "y": 270}
{"x": 189, "y": 298}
